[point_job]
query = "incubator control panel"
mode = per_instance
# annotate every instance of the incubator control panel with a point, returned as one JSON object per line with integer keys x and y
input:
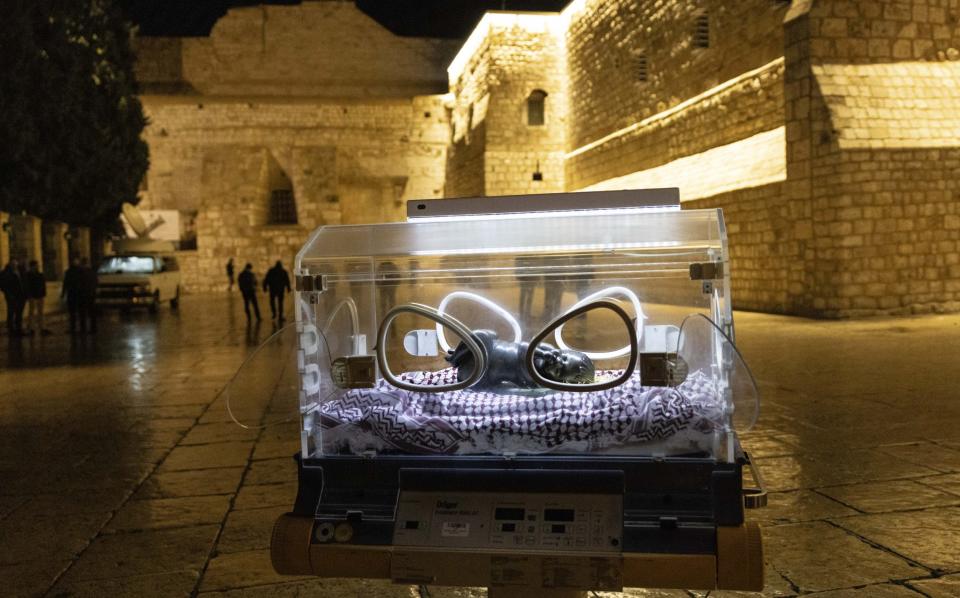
{"x": 515, "y": 521}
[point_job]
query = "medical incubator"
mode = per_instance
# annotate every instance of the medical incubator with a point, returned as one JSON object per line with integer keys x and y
{"x": 535, "y": 394}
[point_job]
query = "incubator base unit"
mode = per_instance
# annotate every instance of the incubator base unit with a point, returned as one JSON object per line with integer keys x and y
{"x": 532, "y": 394}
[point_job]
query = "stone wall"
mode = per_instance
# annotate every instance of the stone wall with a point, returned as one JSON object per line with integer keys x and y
{"x": 749, "y": 104}
{"x": 317, "y": 95}
{"x": 605, "y": 39}
{"x": 764, "y": 256}
{"x": 522, "y": 158}
{"x": 873, "y": 134}
{"x": 470, "y": 90}
{"x": 494, "y": 150}
{"x": 314, "y": 49}
{"x": 826, "y": 130}
{"x": 347, "y": 162}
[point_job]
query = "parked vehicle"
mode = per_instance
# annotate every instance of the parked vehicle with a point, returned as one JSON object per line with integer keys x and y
{"x": 140, "y": 274}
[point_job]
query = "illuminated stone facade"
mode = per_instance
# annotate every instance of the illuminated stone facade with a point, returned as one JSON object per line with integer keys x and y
{"x": 316, "y": 103}
{"x": 827, "y": 130}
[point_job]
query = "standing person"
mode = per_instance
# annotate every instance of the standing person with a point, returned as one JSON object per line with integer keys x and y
{"x": 88, "y": 296}
{"x": 230, "y": 273}
{"x": 528, "y": 284}
{"x": 14, "y": 293}
{"x": 247, "y": 283}
{"x": 277, "y": 281}
{"x": 36, "y": 287}
{"x": 552, "y": 296}
{"x": 71, "y": 290}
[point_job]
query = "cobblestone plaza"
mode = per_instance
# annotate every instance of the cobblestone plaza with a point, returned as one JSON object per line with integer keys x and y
{"x": 121, "y": 473}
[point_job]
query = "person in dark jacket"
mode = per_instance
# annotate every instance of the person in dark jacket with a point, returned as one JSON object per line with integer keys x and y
{"x": 230, "y": 273}
{"x": 14, "y": 294}
{"x": 71, "y": 291}
{"x": 36, "y": 287}
{"x": 247, "y": 283}
{"x": 87, "y": 295}
{"x": 277, "y": 281}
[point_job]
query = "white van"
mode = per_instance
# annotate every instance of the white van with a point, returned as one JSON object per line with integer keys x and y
{"x": 139, "y": 274}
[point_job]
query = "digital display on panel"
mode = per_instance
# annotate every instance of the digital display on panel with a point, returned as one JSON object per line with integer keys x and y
{"x": 558, "y": 514}
{"x": 509, "y": 514}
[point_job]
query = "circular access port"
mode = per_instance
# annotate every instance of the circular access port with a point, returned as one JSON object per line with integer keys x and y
{"x": 343, "y": 532}
{"x": 323, "y": 532}
{"x": 614, "y": 542}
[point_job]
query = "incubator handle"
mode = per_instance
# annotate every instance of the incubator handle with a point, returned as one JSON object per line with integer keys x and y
{"x": 613, "y": 306}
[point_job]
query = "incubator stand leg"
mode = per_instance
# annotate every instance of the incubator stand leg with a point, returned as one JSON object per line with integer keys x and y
{"x": 740, "y": 558}
{"x": 533, "y": 593}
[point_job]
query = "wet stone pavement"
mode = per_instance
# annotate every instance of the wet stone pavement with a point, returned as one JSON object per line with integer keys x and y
{"x": 121, "y": 473}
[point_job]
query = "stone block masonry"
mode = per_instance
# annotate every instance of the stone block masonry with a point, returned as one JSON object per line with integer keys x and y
{"x": 873, "y": 154}
{"x": 496, "y": 149}
{"x": 315, "y": 101}
{"x": 827, "y": 130}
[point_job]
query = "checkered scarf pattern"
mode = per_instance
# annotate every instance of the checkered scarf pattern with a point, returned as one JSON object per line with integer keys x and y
{"x": 477, "y": 422}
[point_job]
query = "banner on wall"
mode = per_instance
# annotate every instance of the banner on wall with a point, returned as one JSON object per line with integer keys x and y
{"x": 178, "y": 226}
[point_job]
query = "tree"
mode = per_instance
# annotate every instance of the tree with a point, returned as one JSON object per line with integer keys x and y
{"x": 70, "y": 117}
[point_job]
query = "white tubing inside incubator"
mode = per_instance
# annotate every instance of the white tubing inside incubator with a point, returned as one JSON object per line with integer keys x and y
{"x": 354, "y": 323}
{"x": 517, "y": 334}
{"x": 607, "y": 292}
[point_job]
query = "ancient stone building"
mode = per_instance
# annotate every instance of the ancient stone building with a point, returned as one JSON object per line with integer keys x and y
{"x": 286, "y": 118}
{"x": 827, "y": 130}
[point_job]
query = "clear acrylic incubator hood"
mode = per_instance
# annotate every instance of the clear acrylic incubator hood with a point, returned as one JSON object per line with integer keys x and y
{"x": 529, "y": 393}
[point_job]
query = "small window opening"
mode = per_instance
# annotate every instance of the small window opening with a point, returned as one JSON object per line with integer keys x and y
{"x": 641, "y": 68}
{"x": 283, "y": 208}
{"x": 536, "y": 113}
{"x": 701, "y": 32}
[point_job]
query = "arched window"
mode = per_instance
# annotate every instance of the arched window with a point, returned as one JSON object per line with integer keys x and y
{"x": 281, "y": 203}
{"x": 283, "y": 207}
{"x": 536, "y": 113}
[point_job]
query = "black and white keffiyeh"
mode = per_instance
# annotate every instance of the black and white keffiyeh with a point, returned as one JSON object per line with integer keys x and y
{"x": 386, "y": 418}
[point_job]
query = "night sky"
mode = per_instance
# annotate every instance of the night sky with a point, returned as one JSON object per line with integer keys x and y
{"x": 433, "y": 18}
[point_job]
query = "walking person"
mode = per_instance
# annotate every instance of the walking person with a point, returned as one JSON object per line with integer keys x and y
{"x": 14, "y": 293}
{"x": 71, "y": 291}
{"x": 247, "y": 283}
{"x": 88, "y": 297}
{"x": 230, "y": 273}
{"x": 278, "y": 282}
{"x": 36, "y": 291}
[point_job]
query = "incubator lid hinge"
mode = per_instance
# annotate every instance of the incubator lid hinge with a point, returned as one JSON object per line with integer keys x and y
{"x": 706, "y": 270}
{"x": 310, "y": 283}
